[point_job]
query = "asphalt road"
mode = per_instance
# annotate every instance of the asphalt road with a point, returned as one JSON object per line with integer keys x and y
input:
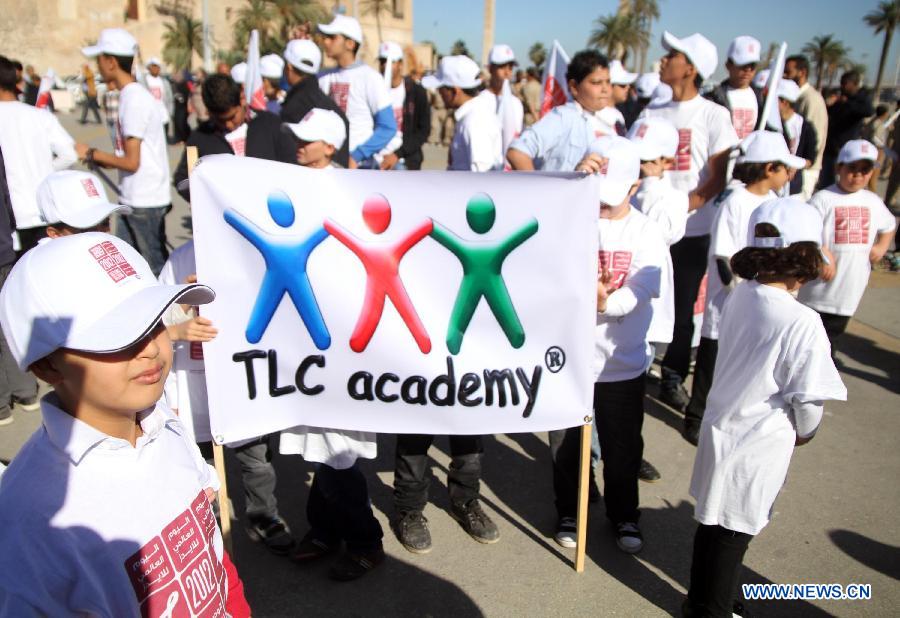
{"x": 835, "y": 521}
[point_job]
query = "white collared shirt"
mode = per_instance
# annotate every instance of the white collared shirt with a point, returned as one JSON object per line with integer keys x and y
{"x": 477, "y": 145}
{"x": 90, "y": 525}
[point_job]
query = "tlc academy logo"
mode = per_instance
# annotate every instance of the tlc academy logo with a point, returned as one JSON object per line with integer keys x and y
{"x": 286, "y": 261}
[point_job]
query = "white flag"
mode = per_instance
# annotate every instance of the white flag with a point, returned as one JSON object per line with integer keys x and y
{"x": 253, "y": 86}
{"x": 43, "y": 95}
{"x": 769, "y": 116}
{"x": 555, "y": 86}
{"x": 510, "y": 116}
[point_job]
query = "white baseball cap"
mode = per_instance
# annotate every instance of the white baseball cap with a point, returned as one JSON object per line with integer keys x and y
{"x": 761, "y": 78}
{"x": 321, "y": 125}
{"x": 765, "y": 147}
{"x": 622, "y": 169}
{"x": 858, "y": 150}
{"x": 390, "y": 51}
{"x": 303, "y": 55}
{"x": 698, "y": 49}
{"x": 454, "y": 71}
{"x": 239, "y": 72}
{"x": 744, "y": 50}
{"x": 646, "y": 84}
{"x": 76, "y": 199}
{"x": 795, "y": 220}
{"x": 501, "y": 54}
{"x": 618, "y": 75}
{"x": 271, "y": 66}
{"x": 112, "y": 42}
{"x": 345, "y": 26}
{"x": 154, "y": 61}
{"x": 662, "y": 95}
{"x": 654, "y": 137}
{"x": 90, "y": 292}
{"x": 788, "y": 90}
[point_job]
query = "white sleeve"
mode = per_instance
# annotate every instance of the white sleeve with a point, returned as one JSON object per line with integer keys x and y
{"x": 820, "y": 203}
{"x": 808, "y": 373}
{"x": 377, "y": 94}
{"x": 807, "y": 416}
{"x": 721, "y": 131}
{"x": 885, "y": 222}
{"x": 61, "y": 143}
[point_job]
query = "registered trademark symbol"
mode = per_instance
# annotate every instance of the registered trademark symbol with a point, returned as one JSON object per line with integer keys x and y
{"x": 554, "y": 358}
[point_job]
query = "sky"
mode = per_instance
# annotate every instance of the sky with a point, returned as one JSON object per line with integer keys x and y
{"x": 520, "y": 23}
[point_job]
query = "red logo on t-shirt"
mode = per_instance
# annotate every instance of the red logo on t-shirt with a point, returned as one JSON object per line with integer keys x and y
{"x": 113, "y": 262}
{"x": 851, "y": 225}
{"x": 742, "y": 119}
{"x": 700, "y": 303}
{"x": 89, "y": 188}
{"x": 398, "y": 117}
{"x": 156, "y": 91}
{"x": 641, "y": 132}
{"x": 617, "y": 263}
{"x": 683, "y": 154}
{"x": 340, "y": 91}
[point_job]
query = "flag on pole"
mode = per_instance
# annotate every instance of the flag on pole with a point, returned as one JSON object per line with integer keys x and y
{"x": 769, "y": 116}
{"x": 253, "y": 86}
{"x": 43, "y": 95}
{"x": 554, "y": 84}
{"x": 510, "y": 116}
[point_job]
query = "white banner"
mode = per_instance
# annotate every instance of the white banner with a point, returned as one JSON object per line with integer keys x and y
{"x": 403, "y": 302}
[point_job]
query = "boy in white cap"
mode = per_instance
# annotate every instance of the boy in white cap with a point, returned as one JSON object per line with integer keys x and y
{"x": 773, "y": 374}
{"x": 477, "y": 141}
{"x": 736, "y": 93}
{"x": 629, "y": 265}
{"x": 705, "y": 139}
{"x": 510, "y": 113}
{"x": 140, "y": 151}
{"x": 621, "y": 112}
{"x": 110, "y": 490}
{"x": 160, "y": 88}
{"x": 359, "y": 92}
{"x": 800, "y": 135}
{"x": 411, "y": 111}
{"x": 302, "y": 60}
{"x": 271, "y": 67}
{"x": 320, "y": 134}
{"x": 764, "y": 166}
{"x": 858, "y": 232}
{"x": 72, "y": 202}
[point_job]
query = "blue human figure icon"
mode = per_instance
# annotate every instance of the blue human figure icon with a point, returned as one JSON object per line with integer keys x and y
{"x": 286, "y": 258}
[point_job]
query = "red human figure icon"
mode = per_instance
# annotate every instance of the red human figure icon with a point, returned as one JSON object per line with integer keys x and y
{"x": 382, "y": 264}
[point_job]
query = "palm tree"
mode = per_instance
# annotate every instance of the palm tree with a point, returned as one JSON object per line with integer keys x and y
{"x": 459, "y": 48}
{"x": 290, "y": 14}
{"x": 256, "y": 15}
{"x": 376, "y": 8}
{"x": 645, "y": 11}
{"x": 537, "y": 53}
{"x": 180, "y": 40}
{"x": 618, "y": 34}
{"x": 883, "y": 19}
{"x": 826, "y": 53}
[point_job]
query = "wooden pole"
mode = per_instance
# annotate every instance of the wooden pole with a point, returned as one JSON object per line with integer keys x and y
{"x": 487, "y": 37}
{"x": 218, "y": 451}
{"x": 584, "y": 477}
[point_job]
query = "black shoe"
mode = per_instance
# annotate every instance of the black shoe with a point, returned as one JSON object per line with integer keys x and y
{"x": 310, "y": 549}
{"x": 475, "y": 521}
{"x": 273, "y": 533}
{"x": 411, "y": 529}
{"x": 648, "y": 472}
{"x": 672, "y": 391}
{"x": 691, "y": 431}
{"x": 29, "y": 404}
{"x": 354, "y": 565}
{"x": 629, "y": 537}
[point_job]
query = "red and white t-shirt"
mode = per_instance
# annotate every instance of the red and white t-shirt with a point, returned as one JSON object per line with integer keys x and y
{"x": 852, "y": 221}
{"x": 744, "y": 110}
{"x": 360, "y": 92}
{"x": 631, "y": 249}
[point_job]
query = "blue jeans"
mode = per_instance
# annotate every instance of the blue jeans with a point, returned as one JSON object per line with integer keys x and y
{"x": 145, "y": 230}
{"x": 339, "y": 508}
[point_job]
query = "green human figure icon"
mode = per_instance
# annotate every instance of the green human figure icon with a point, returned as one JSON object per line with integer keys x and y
{"x": 482, "y": 262}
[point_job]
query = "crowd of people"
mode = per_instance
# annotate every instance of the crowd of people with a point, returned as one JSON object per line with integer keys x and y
{"x": 743, "y": 251}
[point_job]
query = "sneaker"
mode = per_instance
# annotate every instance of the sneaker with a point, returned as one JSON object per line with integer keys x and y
{"x": 475, "y": 521}
{"x": 672, "y": 391}
{"x": 648, "y": 472}
{"x": 691, "y": 432}
{"x": 629, "y": 538}
{"x": 310, "y": 549}
{"x": 29, "y": 404}
{"x": 566, "y": 532}
{"x": 6, "y": 417}
{"x": 353, "y": 565}
{"x": 411, "y": 529}
{"x": 273, "y": 533}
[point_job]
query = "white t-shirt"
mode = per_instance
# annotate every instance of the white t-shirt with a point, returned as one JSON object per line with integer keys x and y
{"x": 34, "y": 144}
{"x": 704, "y": 129}
{"x": 477, "y": 144}
{"x": 510, "y": 115}
{"x": 398, "y": 98}
{"x": 744, "y": 110}
{"x": 793, "y": 126}
{"x": 139, "y": 116}
{"x": 773, "y": 353}
{"x": 631, "y": 249}
{"x": 360, "y": 92}
{"x": 668, "y": 208}
{"x": 157, "y": 89}
{"x": 852, "y": 220}
{"x": 728, "y": 236}
{"x": 90, "y": 525}
{"x": 614, "y": 119}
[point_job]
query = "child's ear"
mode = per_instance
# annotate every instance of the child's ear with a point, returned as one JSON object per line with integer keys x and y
{"x": 46, "y": 370}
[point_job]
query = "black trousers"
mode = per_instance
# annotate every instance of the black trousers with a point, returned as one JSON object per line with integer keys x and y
{"x": 715, "y": 570}
{"x": 90, "y": 104}
{"x": 339, "y": 508}
{"x": 703, "y": 378}
{"x": 835, "y": 326}
{"x": 689, "y": 266}
{"x": 619, "y": 416}
{"x": 412, "y": 472}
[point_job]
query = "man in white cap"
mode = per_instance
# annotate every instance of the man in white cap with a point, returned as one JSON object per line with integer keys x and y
{"x": 302, "y": 61}
{"x": 271, "y": 66}
{"x": 320, "y": 134}
{"x": 736, "y": 93}
{"x": 811, "y": 105}
{"x": 510, "y": 113}
{"x": 160, "y": 88}
{"x": 359, "y": 92}
{"x": 412, "y": 112}
{"x": 477, "y": 142}
{"x": 800, "y": 135}
{"x": 705, "y": 139}
{"x": 140, "y": 154}
{"x": 72, "y": 202}
{"x": 621, "y": 100}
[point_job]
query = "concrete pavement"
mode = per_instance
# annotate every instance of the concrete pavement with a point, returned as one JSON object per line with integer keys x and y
{"x": 835, "y": 521}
